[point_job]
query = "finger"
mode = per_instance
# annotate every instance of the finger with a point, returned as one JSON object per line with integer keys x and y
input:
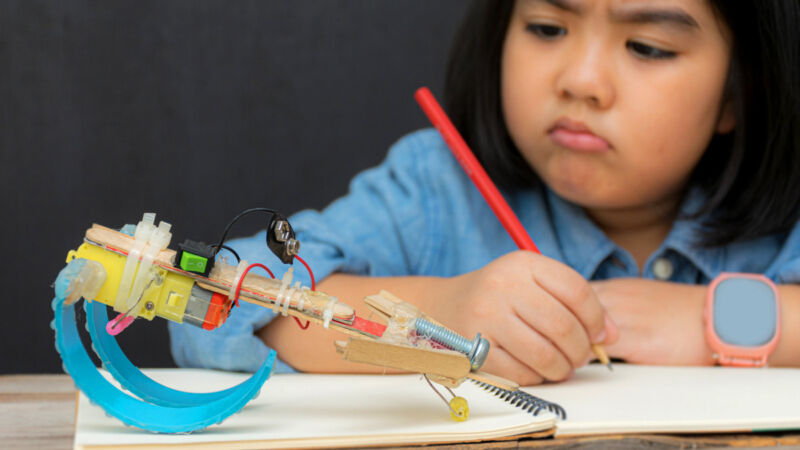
{"x": 504, "y": 364}
{"x": 571, "y": 289}
{"x": 534, "y": 350}
{"x": 551, "y": 319}
{"x": 612, "y": 331}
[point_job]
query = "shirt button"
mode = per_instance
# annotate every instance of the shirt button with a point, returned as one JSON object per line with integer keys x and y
{"x": 662, "y": 269}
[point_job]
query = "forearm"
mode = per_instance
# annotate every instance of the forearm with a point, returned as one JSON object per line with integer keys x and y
{"x": 788, "y": 351}
{"x": 312, "y": 350}
{"x": 539, "y": 326}
{"x": 662, "y": 322}
{"x": 659, "y": 322}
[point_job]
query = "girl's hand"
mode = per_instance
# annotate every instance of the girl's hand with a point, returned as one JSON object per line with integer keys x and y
{"x": 659, "y": 322}
{"x": 539, "y": 315}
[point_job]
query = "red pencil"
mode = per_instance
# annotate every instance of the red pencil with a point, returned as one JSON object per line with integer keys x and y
{"x": 474, "y": 169}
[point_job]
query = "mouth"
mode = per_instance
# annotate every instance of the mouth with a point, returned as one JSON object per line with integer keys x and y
{"x": 576, "y": 135}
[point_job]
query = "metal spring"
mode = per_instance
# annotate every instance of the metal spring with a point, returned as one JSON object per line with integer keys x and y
{"x": 524, "y": 400}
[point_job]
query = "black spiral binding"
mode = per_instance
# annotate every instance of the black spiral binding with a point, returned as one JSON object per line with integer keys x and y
{"x": 521, "y": 399}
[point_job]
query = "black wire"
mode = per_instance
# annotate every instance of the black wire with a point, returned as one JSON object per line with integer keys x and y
{"x": 220, "y": 246}
{"x": 228, "y": 249}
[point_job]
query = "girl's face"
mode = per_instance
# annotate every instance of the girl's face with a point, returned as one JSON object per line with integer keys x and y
{"x": 613, "y": 102}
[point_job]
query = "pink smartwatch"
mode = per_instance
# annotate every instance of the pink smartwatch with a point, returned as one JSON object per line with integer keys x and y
{"x": 742, "y": 319}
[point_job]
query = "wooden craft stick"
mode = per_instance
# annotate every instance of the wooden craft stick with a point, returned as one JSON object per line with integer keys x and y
{"x": 121, "y": 241}
{"x": 254, "y": 282}
{"x": 494, "y": 380}
{"x": 444, "y": 363}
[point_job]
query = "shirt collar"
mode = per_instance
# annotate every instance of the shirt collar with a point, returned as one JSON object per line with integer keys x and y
{"x": 583, "y": 244}
{"x": 684, "y": 236}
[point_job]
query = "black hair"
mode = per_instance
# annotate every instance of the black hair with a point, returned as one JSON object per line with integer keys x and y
{"x": 751, "y": 176}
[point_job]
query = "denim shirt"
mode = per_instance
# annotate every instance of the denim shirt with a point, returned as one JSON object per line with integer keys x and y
{"x": 417, "y": 213}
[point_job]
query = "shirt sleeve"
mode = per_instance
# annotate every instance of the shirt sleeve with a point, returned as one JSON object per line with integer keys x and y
{"x": 380, "y": 228}
{"x": 786, "y": 267}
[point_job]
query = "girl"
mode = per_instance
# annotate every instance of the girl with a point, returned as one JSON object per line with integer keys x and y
{"x": 647, "y": 146}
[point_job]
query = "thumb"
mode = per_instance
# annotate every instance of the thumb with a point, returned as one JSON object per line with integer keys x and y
{"x": 611, "y": 331}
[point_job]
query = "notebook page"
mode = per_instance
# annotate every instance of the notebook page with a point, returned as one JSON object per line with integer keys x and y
{"x": 318, "y": 410}
{"x": 644, "y": 399}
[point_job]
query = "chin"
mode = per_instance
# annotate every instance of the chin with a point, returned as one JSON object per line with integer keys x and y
{"x": 587, "y": 196}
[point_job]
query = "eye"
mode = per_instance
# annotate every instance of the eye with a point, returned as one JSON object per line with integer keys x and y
{"x": 546, "y": 31}
{"x": 645, "y": 51}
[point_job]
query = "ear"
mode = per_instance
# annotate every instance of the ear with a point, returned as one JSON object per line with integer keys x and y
{"x": 727, "y": 118}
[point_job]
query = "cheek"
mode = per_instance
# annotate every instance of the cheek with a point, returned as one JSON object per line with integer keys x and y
{"x": 666, "y": 139}
{"x": 662, "y": 137}
{"x": 654, "y": 155}
{"x": 525, "y": 92}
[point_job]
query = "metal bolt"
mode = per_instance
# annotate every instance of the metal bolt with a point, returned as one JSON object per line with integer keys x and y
{"x": 292, "y": 246}
{"x": 149, "y": 306}
{"x": 476, "y": 350}
{"x": 281, "y": 229}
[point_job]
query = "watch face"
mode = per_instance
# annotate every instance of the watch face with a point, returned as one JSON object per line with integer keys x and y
{"x": 745, "y": 312}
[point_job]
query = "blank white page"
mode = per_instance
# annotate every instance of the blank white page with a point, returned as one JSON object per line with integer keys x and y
{"x": 322, "y": 410}
{"x": 645, "y": 399}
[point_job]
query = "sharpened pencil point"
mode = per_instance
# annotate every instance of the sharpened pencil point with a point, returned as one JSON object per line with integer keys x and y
{"x": 600, "y": 352}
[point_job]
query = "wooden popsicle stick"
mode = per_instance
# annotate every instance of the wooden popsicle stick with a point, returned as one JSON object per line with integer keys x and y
{"x": 121, "y": 241}
{"x": 387, "y": 306}
{"x": 444, "y": 363}
{"x": 341, "y": 311}
{"x": 494, "y": 380}
{"x": 263, "y": 286}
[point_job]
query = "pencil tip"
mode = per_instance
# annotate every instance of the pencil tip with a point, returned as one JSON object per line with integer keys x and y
{"x": 611, "y": 368}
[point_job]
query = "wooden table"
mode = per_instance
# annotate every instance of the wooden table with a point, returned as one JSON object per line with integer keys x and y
{"x": 38, "y": 411}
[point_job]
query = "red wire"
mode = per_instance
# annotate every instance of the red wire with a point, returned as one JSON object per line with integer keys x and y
{"x": 313, "y": 288}
{"x": 239, "y": 285}
{"x": 241, "y": 280}
{"x": 310, "y": 273}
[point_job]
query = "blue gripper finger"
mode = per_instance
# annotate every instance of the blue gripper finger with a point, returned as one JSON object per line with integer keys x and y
{"x": 176, "y": 411}
{"x": 133, "y": 379}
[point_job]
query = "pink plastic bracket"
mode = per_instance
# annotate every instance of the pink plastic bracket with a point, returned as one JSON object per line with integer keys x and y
{"x": 116, "y": 326}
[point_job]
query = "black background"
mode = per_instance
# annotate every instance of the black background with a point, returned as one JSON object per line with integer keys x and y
{"x": 194, "y": 110}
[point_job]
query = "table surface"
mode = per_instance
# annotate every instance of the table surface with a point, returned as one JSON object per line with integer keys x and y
{"x": 38, "y": 411}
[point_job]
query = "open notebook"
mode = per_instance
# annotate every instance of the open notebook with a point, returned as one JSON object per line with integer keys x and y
{"x": 369, "y": 410}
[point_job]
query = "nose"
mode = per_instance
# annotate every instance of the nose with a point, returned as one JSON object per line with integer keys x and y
{"x": 586, "y": 77}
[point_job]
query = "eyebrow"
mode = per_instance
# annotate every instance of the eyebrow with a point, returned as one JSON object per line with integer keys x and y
{"x": 668, "y": 16}
{"x": 672, "y": 17}
{"x": 562, "y": 4}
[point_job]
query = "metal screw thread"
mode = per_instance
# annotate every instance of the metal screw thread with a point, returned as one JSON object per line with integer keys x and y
{"x": 443, "y": 336}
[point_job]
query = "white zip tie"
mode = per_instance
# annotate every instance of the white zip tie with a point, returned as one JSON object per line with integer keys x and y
{"x": 284, "y": 304}
{"x": 283, "y": 301}
{"x": 285, "y": 282}
{"x": 277, "y": 305}
{"x": 278, "y": 300}
{"x": 289, "y": 294}
{"x": 141, "y": 236}
{"x": 301, "y": 302}
{"x": 158, "y": 240}
{"x": 239, "y": 271}
{"x": 327, "y": 315}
